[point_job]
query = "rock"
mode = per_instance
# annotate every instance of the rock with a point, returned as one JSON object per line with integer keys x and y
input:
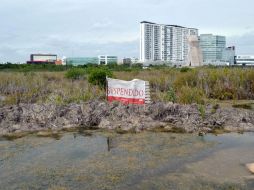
{"x": 248, "y": 127}
{"x": 98, "y": 114}
{"x": 52, "y": 134}
{"x": 201, "y": 134}
{"x": 250, "y": 167}
{"x": 105, "y": 124}
{"x": 2, "y": 98}
{"x": 16, "y": 127}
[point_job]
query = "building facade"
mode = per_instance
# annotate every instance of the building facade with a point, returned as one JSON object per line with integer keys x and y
{"x": 212, "y": 47}
{"x": 229, "y": 55}
{"x": 126, "y": 61}
{"x": 130, "y": 60}
{"x": 76, "y": 61}
{"x": 195, "y": 57}
{"x": 107, "y": 59}
{"x": 42, "y": 59}
{"x": 168, "y": 43}
{"x": 244, "y": 60}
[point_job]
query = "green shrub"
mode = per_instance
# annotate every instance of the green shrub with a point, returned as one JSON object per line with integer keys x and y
{"x": 184, "y": 69}
{"x": 201, "y": 109}
{"x": 75, "y": 73}
{"x": 98, "y": 77}
{"x": 33, "y": 67}
{"x": 171, "y": 95}
{"x": 186, "y": 79}
{"x": 188, "y": 95}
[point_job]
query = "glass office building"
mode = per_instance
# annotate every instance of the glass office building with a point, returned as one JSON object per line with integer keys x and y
{"x": 213, "y": 47}
{"x": 75, "y": 61}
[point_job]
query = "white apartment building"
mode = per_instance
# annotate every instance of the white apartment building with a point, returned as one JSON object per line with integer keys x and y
{"x": 160, "y": 42}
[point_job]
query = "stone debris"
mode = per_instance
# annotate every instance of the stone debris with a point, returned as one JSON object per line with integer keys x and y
{"x": 99, "y": 114}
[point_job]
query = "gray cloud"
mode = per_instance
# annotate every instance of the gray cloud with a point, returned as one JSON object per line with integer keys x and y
{"x": 92, "y": 27}
{"x": 244, "y": 43}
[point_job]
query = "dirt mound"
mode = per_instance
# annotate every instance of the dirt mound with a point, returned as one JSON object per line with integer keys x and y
{"x": 98, "y": 114}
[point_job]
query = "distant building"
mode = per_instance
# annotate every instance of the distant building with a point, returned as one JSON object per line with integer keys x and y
{"x": 107, "y": 59}
{"x": 134, "y": 60}
{"x": 229, "y": 55}
{"x": 59, "y": 62}
{"x": 212, "y": 47}
{"x": 76, "y": 61}
{"x": 195, "y": 57}
{"x": 163, "y": 43}
{"x": 127, "y": 61}
{"x": 244, "y": 60}
{"x": 42, "y": 59}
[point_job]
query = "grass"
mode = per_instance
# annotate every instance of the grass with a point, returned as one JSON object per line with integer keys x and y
{"x": 14, "y": 136}
{"x": 185, "y": 86}
{"x": 197, "y": 85}
{"x": 46, "y": 87}
{"x": 244, "y": 106}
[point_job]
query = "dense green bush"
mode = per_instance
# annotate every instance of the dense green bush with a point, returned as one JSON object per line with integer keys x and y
{"x": 185, "y": 69}
{"x": 98, "y": 77}
{"x": 33, "y": 67}
{"x": 75, "y": 73}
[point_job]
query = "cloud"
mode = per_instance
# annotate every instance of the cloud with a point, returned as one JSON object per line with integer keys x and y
{"x": 70, "y": 49}
{"x": 111, "y": 26}
{"x": 244, "y": 43}
{"x": 101, "y": 24}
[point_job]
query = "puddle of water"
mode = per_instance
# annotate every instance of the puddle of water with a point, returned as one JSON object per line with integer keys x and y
{"x": 131, "y": 161}
{"x": 249, "y": 106}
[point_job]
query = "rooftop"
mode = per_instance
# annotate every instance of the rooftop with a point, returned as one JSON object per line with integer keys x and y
{"x": 42, "y": 54}
{"x": 147, "y": 22}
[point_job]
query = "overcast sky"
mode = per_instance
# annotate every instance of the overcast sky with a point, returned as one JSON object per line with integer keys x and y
{"x": 93, "y": 27}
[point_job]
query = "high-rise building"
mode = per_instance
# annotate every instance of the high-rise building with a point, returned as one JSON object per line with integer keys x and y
{"x": 212, "y": 47}
{"x": 160, "y": 42}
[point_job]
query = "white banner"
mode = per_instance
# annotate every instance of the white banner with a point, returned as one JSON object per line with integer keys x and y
{"x": 127, "y": 92}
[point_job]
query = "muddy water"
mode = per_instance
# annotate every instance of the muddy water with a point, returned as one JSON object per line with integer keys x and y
{"x": 131, "y": 161}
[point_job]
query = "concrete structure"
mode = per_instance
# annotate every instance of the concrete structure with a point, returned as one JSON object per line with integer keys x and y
{"x": 244, "y": 60}
{"x": 59, "y": 62}
{"x": 229, "y": 55}
{"x": 42, "y": 59}
{"x": 134, "y": 60}
{"x": 212, "y": 47}
{"x": 195, "y": 57}
{"x": 75, "y": 61}
{"x": 160, "y": 42}
{"x": 107, "y": 59}
{"x": 127, "y": 61}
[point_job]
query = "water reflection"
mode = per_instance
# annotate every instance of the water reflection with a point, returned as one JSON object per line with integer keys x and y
{"x": 100, "y": 160}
